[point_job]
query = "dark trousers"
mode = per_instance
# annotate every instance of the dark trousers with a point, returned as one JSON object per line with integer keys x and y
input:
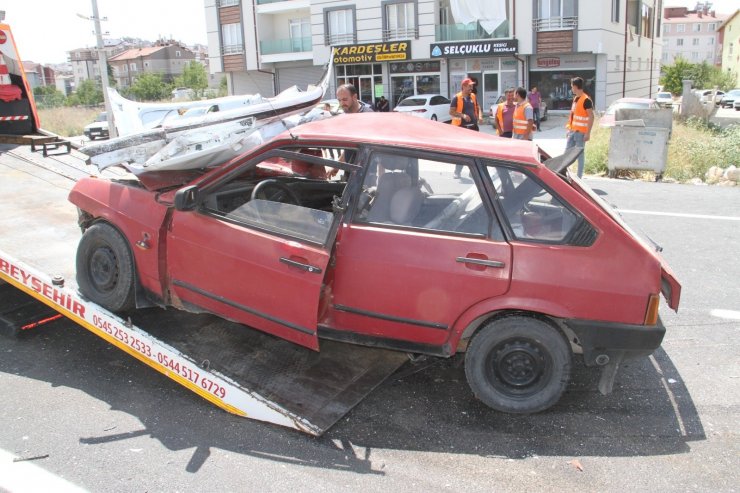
{"x": 506, "y": 134}
{"x": 536, "y": 114}
{"x": 459, "y": 167}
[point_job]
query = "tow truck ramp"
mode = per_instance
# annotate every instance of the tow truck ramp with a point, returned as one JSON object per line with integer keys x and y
{"x": 241, "y": 370}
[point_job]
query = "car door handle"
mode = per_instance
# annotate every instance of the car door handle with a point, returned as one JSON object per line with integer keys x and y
{"x": 480, "y": 261}
{"x": 300, "y": 265}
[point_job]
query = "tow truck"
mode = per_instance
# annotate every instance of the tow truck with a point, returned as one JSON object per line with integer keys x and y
{"x": 245, "y": 372}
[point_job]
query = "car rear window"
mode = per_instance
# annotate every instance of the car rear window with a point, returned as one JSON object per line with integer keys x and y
{"x": 413, "y": 102}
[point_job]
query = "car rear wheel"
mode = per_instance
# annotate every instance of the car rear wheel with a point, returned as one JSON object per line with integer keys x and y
{"x": 518, "y": 364}
{"x": 105, "y": 268}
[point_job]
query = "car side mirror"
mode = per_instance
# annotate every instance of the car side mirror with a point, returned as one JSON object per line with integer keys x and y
{"x": 186, "y": 199}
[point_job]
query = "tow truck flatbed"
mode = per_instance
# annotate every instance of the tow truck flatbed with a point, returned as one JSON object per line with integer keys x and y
{"x": 239, "y": 369}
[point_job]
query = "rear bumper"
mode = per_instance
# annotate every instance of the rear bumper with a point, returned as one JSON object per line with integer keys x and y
{"x": 599, "y": 339}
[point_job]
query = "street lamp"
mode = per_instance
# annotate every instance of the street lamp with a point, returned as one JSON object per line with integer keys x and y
{"x": 103, "y": 65}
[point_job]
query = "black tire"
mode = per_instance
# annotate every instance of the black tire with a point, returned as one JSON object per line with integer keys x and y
{"x": 518, "y": 365}
{"x": 105, "y": 268}
{"x": 434, "y": 118}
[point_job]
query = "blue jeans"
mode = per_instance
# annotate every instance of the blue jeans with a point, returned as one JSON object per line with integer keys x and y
{"x": 575, "y": 139}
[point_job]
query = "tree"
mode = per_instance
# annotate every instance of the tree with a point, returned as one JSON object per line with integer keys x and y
{"x": 87, "y": 94}
{"x": 150, "y": 87}
{"x": 702, "y": 76}
{"x": 193, "y": 76}
{"x": 48, "y": 97}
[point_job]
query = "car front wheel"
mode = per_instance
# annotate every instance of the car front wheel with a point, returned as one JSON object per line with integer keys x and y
{"x": 434, "y": 118}
{"x": 105, "y": 268}
{"x": 518, "y": 364}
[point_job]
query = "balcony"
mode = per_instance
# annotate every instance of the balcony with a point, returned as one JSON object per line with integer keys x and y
{"x": 232, "y": 49}
{"x": 555, "y": 24}
{"x": 400, "y": 33}
{"x": 293, "y": 45}
{"x": 339, "y": 39}
{"x": 469, "y": 32}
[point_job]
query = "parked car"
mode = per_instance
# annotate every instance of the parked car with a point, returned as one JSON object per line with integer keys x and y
{"x": 429, "y": 106}
{"x": 736, "y": 104}
{"x": 728, "y": 100}
{"x": 664, "y": 100}
{"x": 608, "y": 118}
{"x": 705, "y": 96}
{"x": 523, "y": 267}
{"x": 98, "y": 128}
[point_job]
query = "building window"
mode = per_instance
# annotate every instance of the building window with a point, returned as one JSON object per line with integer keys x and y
{"x": 340, "y": 26}
{"x": 680, "y": 28}
{"x": 227, "y": 3}
{"x": 132, "y": 67}
{"x": 666, "y": 29}
{"x": 231, "y": 35}
{"x": 696, "y": 28}
{"x": 695, "y": 42}
{"x": 178, "y": 53}
{"x": 399, "y": 20}
{"x": 694, "y": 55}
{"x": 710, "y": 41}
{"x": 617, "y": 64}
{"x": 300, "y": 34}
{"x": 556, "y": 8}
{"x": 679, "y": 42}
{"x": 615, "y": 10}
{"x": 711, "y": 27}
{"x": 646, "y": 21}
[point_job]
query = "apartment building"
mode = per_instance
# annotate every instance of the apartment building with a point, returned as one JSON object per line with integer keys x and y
{"x": 397, "y": 48}
{"x": 729, "y": 33}
{"x": 84, "y": 61}
{"x": 692, "y": 35}
{"x": 167, "y": 58}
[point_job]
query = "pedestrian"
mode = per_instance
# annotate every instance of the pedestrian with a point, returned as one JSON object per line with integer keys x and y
{"x": 535, "y": 99}
{"x": 523, "y": 116}
{"x": 382, "y": 105}
{"x": 504, "y": 114}
{"x": 465, "y": 111}
{"x": 580, "y": 121}
{"x": 347, "y": 96}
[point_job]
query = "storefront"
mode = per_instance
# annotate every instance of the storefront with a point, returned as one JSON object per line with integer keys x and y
{"x": 411, "y": 78}
{"x": 551, "y": 75}
{"x": 492, "y": 63}
{"x": 364, "y": 66}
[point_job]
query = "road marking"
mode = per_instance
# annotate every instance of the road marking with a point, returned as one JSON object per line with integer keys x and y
{"x": 679, "y": 214}
{"x": 726, "y": 314}
{"x": 17, "y": 477}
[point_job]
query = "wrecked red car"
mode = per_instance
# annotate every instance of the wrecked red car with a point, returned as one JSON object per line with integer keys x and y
{"x": 355, "y": 229}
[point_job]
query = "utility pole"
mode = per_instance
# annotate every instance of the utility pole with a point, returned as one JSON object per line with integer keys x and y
{"x": 103, "y": 65}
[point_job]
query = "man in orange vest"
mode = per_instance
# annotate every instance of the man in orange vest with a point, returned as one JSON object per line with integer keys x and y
{"x": 465, "y": 111}
{"x": 523, "y": 116}
{"x": 581, "y": 120}
{"x": 503, "y": 114}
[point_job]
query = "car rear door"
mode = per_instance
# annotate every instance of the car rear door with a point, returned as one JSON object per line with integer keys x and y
{"x": 424, "y": 250}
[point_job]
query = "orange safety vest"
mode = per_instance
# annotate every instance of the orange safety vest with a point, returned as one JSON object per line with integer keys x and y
{"x": 459, "y": 96}
{"x": 521, "y": 124}
{"x": 578, "y": 120}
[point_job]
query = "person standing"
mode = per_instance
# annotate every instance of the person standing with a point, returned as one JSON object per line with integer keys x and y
{"x": 535, "y": 99}
{"x": 382, "y": 105}
{"x": 347, "y": 97}
{"x": 523, "y": 116}
{"x": 580, "y": 121}
{"x": 504, "y": 114}
{"x": 465, "y": 111}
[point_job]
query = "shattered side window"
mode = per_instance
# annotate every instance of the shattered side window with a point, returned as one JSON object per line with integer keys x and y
{"x": 291, "y": 194}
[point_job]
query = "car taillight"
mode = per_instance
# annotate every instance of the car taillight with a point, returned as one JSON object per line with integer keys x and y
{"x": 651, "y": 315}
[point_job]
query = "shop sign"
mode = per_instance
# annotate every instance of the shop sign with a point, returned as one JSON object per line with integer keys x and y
{"x": 371, "y": 52}
{"x": 410, "y": 67}
{"x": 574, "y": 61}
{"x": 474, "y": 48}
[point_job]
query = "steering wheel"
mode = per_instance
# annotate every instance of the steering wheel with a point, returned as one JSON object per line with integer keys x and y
{"x": 275, "y": 191}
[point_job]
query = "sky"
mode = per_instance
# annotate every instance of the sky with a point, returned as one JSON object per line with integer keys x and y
{"x": 45, "y": 30}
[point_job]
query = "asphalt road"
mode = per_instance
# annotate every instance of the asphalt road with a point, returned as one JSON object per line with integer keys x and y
{"x": 78, "y": 414}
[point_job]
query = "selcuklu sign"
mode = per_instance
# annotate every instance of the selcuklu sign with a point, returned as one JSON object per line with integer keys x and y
{"x": 371, "y": 52}
{"x": 493, "y": 47}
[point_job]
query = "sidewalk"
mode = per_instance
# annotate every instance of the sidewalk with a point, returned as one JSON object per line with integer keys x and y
{"x": 551, "y": 138}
